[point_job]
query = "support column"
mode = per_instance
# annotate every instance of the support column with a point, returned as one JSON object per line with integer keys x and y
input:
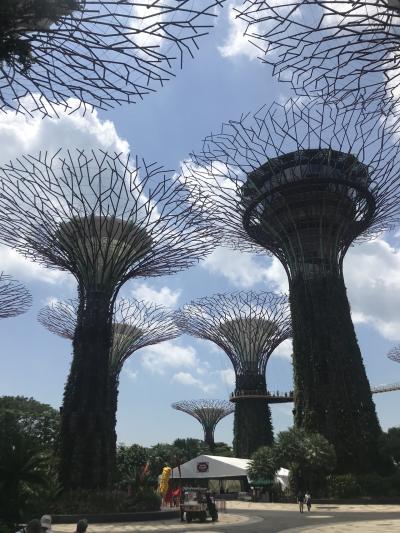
{"x": 252, "y": 425}
{"x": 85, "y": 453}
{"x": 332, "y": 393}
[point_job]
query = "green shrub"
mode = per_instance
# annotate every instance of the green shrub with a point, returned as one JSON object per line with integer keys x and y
{"x": 343, "y": 486}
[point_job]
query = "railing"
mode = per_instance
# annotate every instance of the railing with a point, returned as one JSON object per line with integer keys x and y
{"x": 385, "y": 388}
{"x": 272, "y": 397}
{"x": 287, "y": 397}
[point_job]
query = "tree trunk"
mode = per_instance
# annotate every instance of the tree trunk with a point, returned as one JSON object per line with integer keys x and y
{"x": 332, "y": 392}
{"x": 85, "y": 448}
{"x": 252, "y": 426}
{"x": 209, "y": 438}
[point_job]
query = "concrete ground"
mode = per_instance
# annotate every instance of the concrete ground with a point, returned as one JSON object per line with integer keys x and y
{"x": 246, "y": 517}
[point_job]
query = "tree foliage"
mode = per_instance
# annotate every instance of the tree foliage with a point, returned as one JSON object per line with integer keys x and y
{"x": 391, "y": 443}
{"x": 24, "y": 471}
{"x": 263, "y": 465}
{"x": 130, "y": 459}
{"x": 39, "y": 421}
{"x": 308, "y": 456}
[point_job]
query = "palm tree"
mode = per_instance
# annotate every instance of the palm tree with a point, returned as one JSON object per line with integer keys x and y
{"x": 24, "y": 469}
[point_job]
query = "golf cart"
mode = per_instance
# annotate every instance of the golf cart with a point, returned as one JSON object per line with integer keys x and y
{"x": 198, "y": 504}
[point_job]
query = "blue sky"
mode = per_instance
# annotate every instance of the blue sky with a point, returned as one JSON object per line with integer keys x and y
{"x": 224, "y": 80}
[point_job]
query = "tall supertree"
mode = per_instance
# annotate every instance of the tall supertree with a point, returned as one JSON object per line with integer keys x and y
{"x": 208, "y": 413}
{"x": 303, "y": 181}
{"x": 247, "y": 326}
{"x": 15, "y": 299}
{"x": 101, "y": 53}
{"x": 106, "y": 219}
{"x": 135, "y": 324}
{"x": 330, "y": 47}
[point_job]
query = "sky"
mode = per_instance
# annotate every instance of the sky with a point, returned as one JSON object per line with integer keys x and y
{"x": 224, "y": 80}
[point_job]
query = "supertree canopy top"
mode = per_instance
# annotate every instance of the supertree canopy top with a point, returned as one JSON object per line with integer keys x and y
{"x": 302, "y": 180}
{"x": 330, "y": 47}
{"x": 248, "y": 326}
{"x": 15, "y": 299}
{"x": 207, "y": 412}
{"x": 99, "y": 52}
{"x": 103, "y": 217}
{"x": 136, "y": 324}
{"x": 394, "y": 354}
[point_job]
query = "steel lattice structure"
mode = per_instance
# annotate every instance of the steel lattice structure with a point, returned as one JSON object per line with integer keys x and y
{"x": 247, "y": 326}
{"x": 394, "y": 354}
{"x": 15, "y": 299}
{"x": 99, "y": 52}
{"x": 105, "y": 218}
{"x": 329, "y": 47}
{"x": 208, "y": 413}
{"x": 136, "y": 324}
{"x": 303, "y": 181}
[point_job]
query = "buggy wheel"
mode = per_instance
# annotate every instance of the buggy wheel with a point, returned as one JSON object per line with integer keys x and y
{"x": 188, "y": 518}
{"x": 203, "y": 516}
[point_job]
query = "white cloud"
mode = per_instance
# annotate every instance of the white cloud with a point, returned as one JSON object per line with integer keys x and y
{"x": 284, "y": 350}
{"x": 130, "y": 374}
{"x": 22, "y": 268}
{"x": 372, "y": 275}
{"x": 20, "y": 134}
{"x": 185, "y": 378}
{"x": 236, "y": 44}
{"x": 227, "y": 376}
{"x": 242, "y": 269}
{"x": 169, "y": 354}
{"x": 164, "y": 296}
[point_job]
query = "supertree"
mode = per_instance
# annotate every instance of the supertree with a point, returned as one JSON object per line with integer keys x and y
{"x": 208, "y": 413}
{"x": 247, "y": 326}
{"x": 101, "y": 53}
{"x": 394, "y": 354}
{"x": 106, "y": 219}
{"x": 15, "y": 299}
{"x": 303, "y": 180}
{"x": 330, "y": 47}
{"x": 135, "y": 324}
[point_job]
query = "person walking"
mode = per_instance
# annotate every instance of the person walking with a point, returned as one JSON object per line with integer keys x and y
{"x": 307, "y": 499}
{"x": 45, "y": 523}
{"x": 81, "y": 526}
{"x": 300, "y": 500}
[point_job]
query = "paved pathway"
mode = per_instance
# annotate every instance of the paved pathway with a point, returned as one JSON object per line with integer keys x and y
{"x": 226, "y": 520}
{"x": 247, "y": 517}
{"x": 370, "y": 526}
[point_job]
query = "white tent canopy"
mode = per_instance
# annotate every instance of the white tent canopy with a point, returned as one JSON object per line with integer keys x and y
{"x": 216, "y": 467}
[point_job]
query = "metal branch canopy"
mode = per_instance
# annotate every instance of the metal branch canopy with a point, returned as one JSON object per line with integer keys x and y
{"x": 248, "y": 326}
{"x": 303, "y": 181}
{"x": 98, "y": 52}
{"x": 15, "y": 299}
{"x": 330, "y": 47}
{"x": 207, "y": 412}
{"x": 136, "y": 324}
{"x": 103, "y": 217}
{"x": 394, "y": 354}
